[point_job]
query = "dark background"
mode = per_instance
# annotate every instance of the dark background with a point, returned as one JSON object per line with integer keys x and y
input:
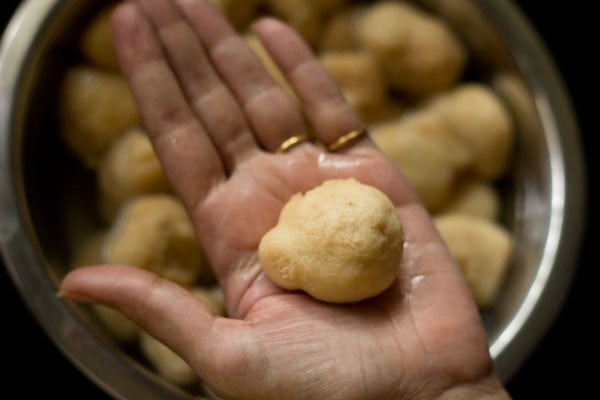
{"x": 559, "y": 368}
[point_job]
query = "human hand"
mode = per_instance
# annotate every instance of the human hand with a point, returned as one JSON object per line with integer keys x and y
{"x": 216, "y": 120}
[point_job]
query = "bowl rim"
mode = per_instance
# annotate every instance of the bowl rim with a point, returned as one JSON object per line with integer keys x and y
{"x": 509, "y": 350}
{"x": 557, "y": 267}
{"x": 60, "y": 320}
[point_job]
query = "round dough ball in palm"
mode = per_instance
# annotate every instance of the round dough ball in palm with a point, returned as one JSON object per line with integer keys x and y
{"x": 339, "y": 242}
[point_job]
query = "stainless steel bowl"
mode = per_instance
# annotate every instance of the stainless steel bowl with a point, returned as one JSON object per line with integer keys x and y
{"x": 44, "y": 193}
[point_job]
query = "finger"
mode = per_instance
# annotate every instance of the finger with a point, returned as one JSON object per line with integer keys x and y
{"x": 162, "y": 308}
{"x": 429, "y": 276}
{"x": 271, "y": 112}
{"x": 209, "y": 97}
{"x": 324, "y": 104}
{"x": 186, "y": 152}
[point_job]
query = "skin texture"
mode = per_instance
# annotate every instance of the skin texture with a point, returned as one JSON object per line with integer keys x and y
{"x": 215, "y": 118}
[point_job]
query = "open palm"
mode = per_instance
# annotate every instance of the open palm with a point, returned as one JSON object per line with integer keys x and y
{"x": 216, "y": 119}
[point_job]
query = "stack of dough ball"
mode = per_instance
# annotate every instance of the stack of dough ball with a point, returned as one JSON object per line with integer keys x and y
{"x": 429, "y": 157}
{"x": 340, "y": 242}
{"x": 129, "y": 169}
{"x": 418, "y": 52}
{"x": 464, "y": 132}
{"x": 358, "y": 75}
{"x": 95, "y": 108}
{"x": 452, "y": 148}
{"x": 154, "y": 232}
{"x": 388, "y": 57}
{"x": 476, "y": 114}
{"x": 164, "y": 360}
{"x": 482, "y": 250}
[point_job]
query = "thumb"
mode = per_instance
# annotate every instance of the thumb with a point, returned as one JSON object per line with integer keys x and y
{"x": 162, "y": 308}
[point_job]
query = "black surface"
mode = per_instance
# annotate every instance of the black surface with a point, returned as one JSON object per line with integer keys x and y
{"x": 560, "y": 367}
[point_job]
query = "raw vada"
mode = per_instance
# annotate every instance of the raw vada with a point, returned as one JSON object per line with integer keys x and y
{"x": 340, "y": 242}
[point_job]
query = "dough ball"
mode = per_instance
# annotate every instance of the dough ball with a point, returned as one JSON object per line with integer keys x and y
{"x": 476, "y": 114}
{"x": 95, "y": 107}
{"x": 307, "y": 17}
{"x": 239, "y": 12}
{"x": 326, "y": 7}
{"x": 339, "y": 32}
{"x": 89, "y": 251}
{"x": 339, "y": 242}
{"x": 116, "y": 323}
{"x": 154, "y": 232}
{"x": 129, "y": 169}
{"x": 213, "y": 297}
{"x": 300, "y": 15}
{"x": 418, "y": 52}
{"x": 165, "y": 361}
{"x": 97, "y": 45}
{"x": 426, "y": 153}
{"x": 475, "y": 197}
{"x": 482, "y": 249}
{"x": 361, "y": 82}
